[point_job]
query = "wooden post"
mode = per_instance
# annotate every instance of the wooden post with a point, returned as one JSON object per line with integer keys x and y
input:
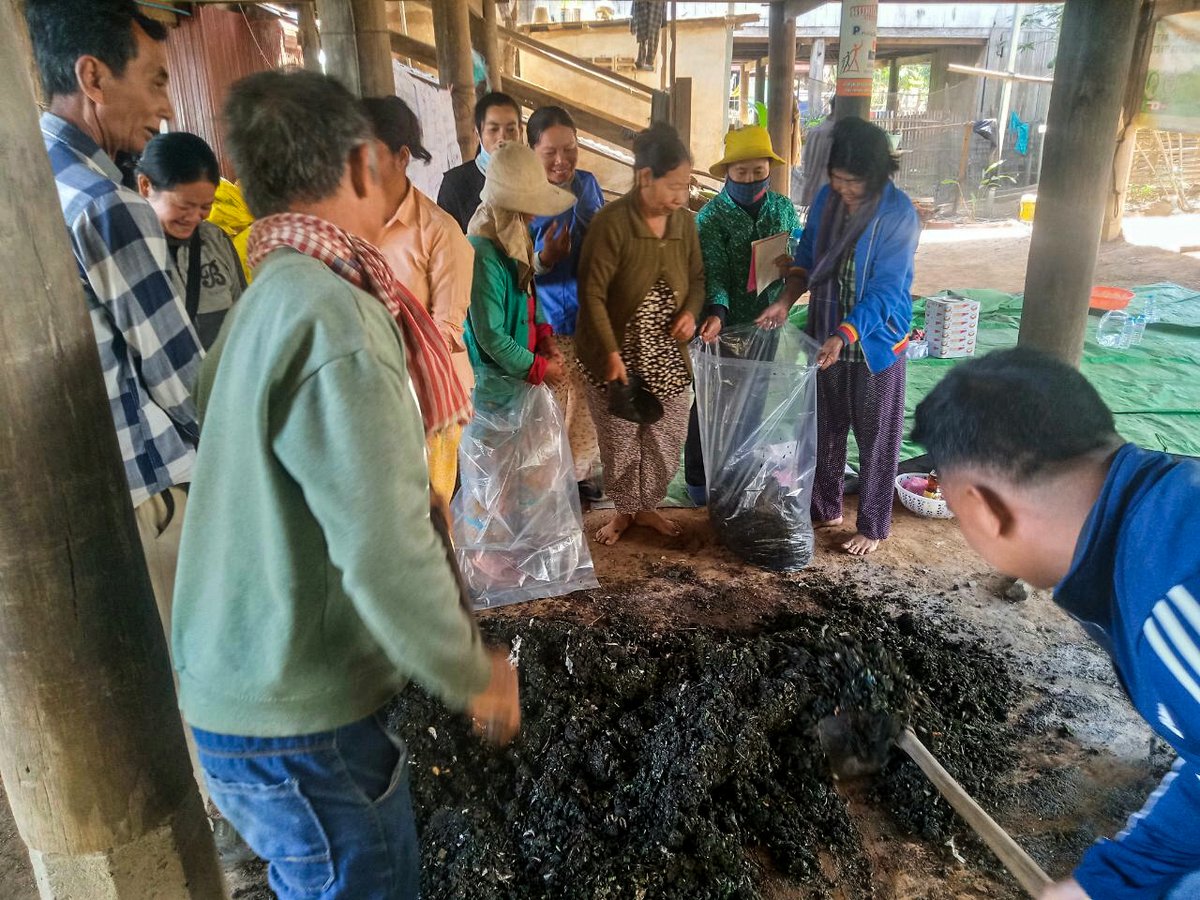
{"x": 310, "y": 38}
{"x": 893, "y": 97}
{"x": 357, "y": 44}
{"x": 491, "y": 45}
{"x": 781, "y": 61}
{"x": 816, "y": 77}
{"x": 456, "y": 70}
{"x": 760, "y": 82}
{"x": 1114, "y": 207}
{"x": 92, "y": 750}
{"x": 1094, "y": 54}
{"x": 681, "y": 109}
{"x": 963, "y": 158}
{"x": 743, "y": 93}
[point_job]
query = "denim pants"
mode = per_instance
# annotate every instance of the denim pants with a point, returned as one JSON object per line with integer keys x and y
{"x": 330, "y": 812}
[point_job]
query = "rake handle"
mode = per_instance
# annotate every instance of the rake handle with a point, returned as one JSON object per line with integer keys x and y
{"x": 1027, "y": 872}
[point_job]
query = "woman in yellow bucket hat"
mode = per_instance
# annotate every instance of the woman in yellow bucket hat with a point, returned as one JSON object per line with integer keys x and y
{"x": 745, "y": 211}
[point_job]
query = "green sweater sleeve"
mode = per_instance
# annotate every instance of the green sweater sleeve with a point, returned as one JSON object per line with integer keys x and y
{"x": 714, "y": 248}
{"x": 351, "y": 437}
{"x": 489, "y": 293}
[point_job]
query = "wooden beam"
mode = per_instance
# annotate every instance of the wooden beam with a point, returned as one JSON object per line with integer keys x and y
{"x": 92, "y": 750}
{"x": 1094, "y": 53}
{"x": 411, "y": 48}
{"x": 589, "y": 119}
{"x": 996, "y": 73}
{"x": 581, "y": 66}
{"x": 1166, "y": 8}
{"x": 782, "y": 103}
{"x": 456, "y": 69}
{"x": 491, "y": 44}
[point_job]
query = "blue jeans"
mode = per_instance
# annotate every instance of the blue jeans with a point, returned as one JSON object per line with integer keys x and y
{"x": 330, "y": 812}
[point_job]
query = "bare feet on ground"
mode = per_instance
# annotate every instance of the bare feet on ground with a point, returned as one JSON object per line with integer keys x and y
{"x": 612, "y": 531}
{"x": 832, "y": 523}
{"x": 860, "y": 545}
{"x": 652, "y": 518}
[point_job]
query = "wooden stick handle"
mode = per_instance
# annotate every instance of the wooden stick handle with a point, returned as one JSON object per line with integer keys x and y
{"x": 1016, "y": 860}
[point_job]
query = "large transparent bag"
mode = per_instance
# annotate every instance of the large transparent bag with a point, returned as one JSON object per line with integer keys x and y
{"x": 756, "y": 398}
{"x": 518, "y": 528}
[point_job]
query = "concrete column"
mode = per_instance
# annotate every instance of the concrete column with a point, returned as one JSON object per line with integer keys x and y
{"x": 357, "y": 45}
{"x": 743, "y": 93}
{"x": 856, "y": 58}
{"x": 91, "y": 745}
{"x": 816, "y": 77}
{"x": 781, "y": 62}
{"x": 760, "y": 82}
{"x": 310, "y": 38}
{"x": 1094, "y": 53}
{"x": 456, "y": 70}
{"x": 893, "y": 98}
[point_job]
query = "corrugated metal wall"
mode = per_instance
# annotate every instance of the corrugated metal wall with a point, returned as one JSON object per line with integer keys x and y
{"x": 207, "y": 53}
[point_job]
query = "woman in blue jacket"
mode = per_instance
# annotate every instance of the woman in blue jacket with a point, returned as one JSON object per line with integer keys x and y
{"x": 855, "y": 258}
{"x": 557, "y": 241}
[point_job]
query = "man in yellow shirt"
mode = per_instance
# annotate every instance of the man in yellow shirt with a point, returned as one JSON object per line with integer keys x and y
{"x": 429, "y": 255}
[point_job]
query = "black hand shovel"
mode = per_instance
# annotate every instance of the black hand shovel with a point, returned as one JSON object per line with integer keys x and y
{"x": 857, "y": 744}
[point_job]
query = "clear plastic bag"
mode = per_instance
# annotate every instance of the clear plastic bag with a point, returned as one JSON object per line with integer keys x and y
{"x": 756, "y": 399}
{"x": 518, "y": 528}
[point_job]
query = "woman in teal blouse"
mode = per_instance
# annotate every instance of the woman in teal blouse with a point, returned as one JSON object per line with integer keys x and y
{"x": 745, "y": 211}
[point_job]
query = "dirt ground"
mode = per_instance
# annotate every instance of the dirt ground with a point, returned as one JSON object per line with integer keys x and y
{"x": 1086, "y": 759}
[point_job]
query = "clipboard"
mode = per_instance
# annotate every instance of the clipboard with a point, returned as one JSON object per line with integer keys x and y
{"x": 763, "y": 253}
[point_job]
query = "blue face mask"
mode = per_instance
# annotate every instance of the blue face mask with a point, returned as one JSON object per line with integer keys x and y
{"x": 483, "y": 159}
{"x": 747, "y": 194}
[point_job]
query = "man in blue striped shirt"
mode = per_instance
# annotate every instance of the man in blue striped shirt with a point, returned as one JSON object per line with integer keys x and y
{"x": 1029, "y": 459}
{"x": 103, "y": 68}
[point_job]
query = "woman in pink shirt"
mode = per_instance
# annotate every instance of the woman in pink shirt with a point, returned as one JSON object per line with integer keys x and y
{"x": 428, "y": 253}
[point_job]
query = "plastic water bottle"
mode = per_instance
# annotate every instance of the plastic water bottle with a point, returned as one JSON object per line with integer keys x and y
{"x": 794, "y": 242}
{"x": 1137, "y": 329}
{"x": 1150, "y": 308}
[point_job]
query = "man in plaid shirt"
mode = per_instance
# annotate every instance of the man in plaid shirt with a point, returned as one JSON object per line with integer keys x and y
{"x": 103, "y": 71}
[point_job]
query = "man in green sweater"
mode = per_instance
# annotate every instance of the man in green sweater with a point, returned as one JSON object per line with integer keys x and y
{"x": 312, "y": 581}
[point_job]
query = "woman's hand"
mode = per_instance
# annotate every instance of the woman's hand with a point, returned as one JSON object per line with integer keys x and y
{"x": 496, "y": 711}
{"x": 830, "y": 352}
{"x": 774, "y": 315}
{"x": 784, "y": 264}
{"x": 548, "y": 347}
{"x": 711, "y": 329}
{"x": 1064, "y": 890}
{"x": 614, "y": 369}
{"x": 556, "y": 245}
{"x": 684, "y": 326}
{"x": 556, "y": 370}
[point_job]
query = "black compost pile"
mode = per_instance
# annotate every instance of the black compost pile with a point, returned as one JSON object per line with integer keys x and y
{"x": 686, "y": 765}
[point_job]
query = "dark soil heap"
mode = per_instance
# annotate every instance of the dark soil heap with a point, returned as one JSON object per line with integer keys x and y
{"x": 686, "y": 764}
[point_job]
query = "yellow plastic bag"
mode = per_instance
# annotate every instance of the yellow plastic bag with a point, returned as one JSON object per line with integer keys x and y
{"x": 231, "y": 214}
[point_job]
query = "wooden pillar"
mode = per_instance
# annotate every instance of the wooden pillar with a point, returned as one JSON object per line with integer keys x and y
{"x": 491, "y": 45}
{"x": 357, "y": 44}
{"x": 760, "y": 82}
{"x": 893, "y": 97}
{"x": 743, "y": 93}
{"x": 1094, "y": 53}
{"x": 681, "y": 109}
{"x": 781, "y": 62}
{"x": 816, "y": 77}
{"x": 92, "y": 750}
{"x": 456, "y": 70}
{"x": 856, "y": 58}
{"x": 310, "y": 38}
{"x": 1127, "y": 131}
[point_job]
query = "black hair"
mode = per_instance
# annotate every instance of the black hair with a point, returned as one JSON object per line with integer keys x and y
{"x": 291, "y": 133}
{"x": 1020, "y": 413}
{"x": 547, "y": 117}
{"x": 659, "y": 149}
{"x": 396, "y": 125}
{"x": 178, "y": 158}
{"x": 864, "y": 150}
{"x": 487, "y": 101}
{"x": 832, "y": 103}
{"x": 61, "y": 31}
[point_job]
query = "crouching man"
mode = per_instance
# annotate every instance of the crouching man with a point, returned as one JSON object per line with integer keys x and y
{"x": 312, "y": 582}
{"x": 1045, "y": 490}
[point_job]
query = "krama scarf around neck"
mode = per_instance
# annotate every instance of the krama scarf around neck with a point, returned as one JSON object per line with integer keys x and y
{"x": 837, "y": 235}
{"x": 442, "y": 399}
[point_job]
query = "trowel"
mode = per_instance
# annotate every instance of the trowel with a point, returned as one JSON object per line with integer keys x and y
{"x": 857, "y": 744}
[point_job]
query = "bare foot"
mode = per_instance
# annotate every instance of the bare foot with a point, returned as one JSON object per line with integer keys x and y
{"x": 617, "y": 526}
{"x": 860, "y": 545}
{"x": 652, "y": 518}
{"x": 831, "y": 523}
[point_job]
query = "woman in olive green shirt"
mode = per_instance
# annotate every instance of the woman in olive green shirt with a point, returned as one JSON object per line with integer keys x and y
{"x": 641, "y": 286}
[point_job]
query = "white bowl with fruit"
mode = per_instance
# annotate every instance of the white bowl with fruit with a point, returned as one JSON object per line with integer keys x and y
{"x": 921, "y": 494}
